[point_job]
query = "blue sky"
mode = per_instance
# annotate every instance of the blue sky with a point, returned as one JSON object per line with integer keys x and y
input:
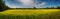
{"x": 32, "y": 3}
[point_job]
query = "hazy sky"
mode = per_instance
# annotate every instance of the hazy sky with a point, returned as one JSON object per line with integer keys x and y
{"x": 32, "y": 3}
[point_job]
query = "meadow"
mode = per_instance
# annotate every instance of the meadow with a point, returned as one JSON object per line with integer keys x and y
{"x": 30, "y": 14}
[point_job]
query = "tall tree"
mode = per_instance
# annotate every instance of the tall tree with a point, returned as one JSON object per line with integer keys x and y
{"x": 3, "y": 6}
{"x": 58, "y": 7}
{"x": 34, "y": 7}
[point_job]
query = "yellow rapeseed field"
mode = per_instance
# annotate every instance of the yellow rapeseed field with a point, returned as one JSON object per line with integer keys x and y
{"x": 29, "y": 12}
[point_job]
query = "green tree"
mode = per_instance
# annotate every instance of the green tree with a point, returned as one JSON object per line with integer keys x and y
{"x": 3, "y": 6}
{"x": 58, "y": 7}
{"x": 34, "y": 7}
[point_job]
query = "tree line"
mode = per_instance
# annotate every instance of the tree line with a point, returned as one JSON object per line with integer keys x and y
{"x": 58, "y": 7}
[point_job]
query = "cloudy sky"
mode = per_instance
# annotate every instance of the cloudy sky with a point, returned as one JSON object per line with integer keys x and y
{"x": 32, "y": 3}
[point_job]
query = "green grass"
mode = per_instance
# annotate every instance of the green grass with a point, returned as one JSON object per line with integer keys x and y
{"x": 48, "y": 14}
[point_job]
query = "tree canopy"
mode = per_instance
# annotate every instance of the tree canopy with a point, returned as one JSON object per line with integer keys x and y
{"x": 3, "y": 6}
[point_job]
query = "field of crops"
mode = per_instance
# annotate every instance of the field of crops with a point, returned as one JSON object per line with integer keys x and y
{"x": 30, "y": 14}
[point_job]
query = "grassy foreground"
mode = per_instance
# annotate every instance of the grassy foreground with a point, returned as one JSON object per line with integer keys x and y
{"x": 31, "y": 14}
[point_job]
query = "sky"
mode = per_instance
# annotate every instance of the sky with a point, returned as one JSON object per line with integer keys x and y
{"x": 32, "y": 3}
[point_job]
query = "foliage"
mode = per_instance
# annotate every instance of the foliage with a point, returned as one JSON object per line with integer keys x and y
{"x": 58, "y": 7}
{"x": 34, "y": 7}
{"x": 3, "y": 6}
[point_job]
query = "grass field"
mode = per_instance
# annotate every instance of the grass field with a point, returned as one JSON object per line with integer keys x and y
{"x": 31, "y": 14}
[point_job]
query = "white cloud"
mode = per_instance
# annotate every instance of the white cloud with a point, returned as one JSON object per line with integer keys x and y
{"x": 41, "y": 4}
{"x": 26, "y": 2}
{"x": 31, "y": 3}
